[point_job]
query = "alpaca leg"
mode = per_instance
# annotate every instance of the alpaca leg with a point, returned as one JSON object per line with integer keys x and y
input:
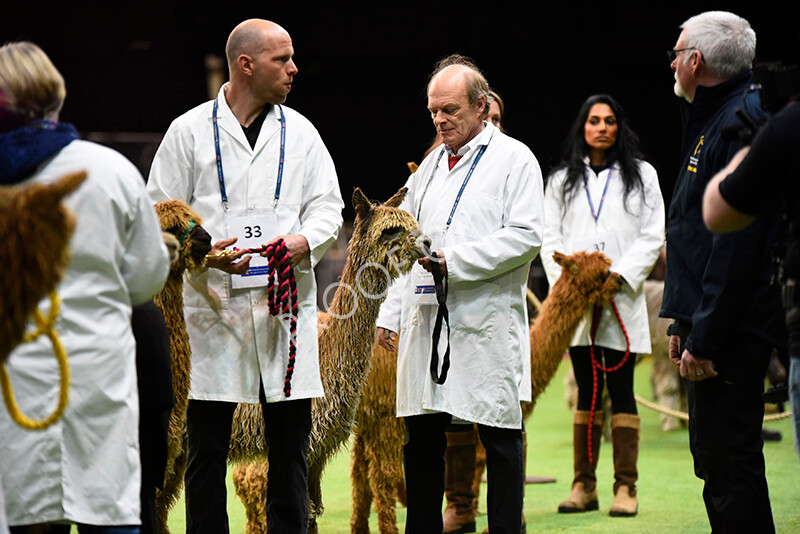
{"x": 385, "y": 473}
{"x": 666, "y": 384}
{"x": 250, "y": 483}
{"x": 315, "y": 506}
{"x": 480, "y": 468}
{"x": 361, "y": 492}
{"x": 173, "y": 484}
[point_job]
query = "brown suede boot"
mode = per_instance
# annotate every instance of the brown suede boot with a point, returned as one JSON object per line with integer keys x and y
{"x": 625, "y": 437}
{"x": 584, "y": 487}
{"x": 459, "y": 515}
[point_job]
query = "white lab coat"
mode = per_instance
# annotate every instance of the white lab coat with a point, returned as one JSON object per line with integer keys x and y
{"x": 495, "y": 233}
{"x": 639, "y": 231}
{"x": 85, "y": 467}
{"x": 232, "y": 347}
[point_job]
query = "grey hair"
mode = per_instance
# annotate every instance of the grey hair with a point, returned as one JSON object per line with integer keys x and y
{"x": 477, "y": 86}
{"x": 726, "y": 41}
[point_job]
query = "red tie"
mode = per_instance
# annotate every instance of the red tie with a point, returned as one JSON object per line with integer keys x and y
{"x": 452, "y": 160}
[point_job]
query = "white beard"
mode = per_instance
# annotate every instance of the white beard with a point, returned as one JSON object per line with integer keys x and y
{"x": 680, "y": 91}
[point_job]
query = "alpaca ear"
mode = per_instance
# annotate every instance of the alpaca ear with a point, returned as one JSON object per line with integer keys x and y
{"x": 361, "y": 203}
{"x": 397, "y": 199}
{"x": 566, "y": 262}
{"x": 66, "y": 184}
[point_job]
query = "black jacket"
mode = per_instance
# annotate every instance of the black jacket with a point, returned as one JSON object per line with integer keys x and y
{"x": 719, "y": 285}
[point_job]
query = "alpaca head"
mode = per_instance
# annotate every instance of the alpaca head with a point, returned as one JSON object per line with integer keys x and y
{"x": 385, "y": 239}
{"x": 588, "y": 273}
{"x": 178, "y": 219}
{"x": 36, "y": 228}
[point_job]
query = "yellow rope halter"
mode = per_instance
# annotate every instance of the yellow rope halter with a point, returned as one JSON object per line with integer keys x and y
{"x": 43, "y": 326}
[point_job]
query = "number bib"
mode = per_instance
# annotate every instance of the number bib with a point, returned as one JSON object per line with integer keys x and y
{"x": 605, "y": 242}
{"x": 424, "y": 288}
{"x": 253, "y": 230}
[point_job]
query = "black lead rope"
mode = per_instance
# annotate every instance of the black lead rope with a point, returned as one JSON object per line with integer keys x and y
{"x": 442, "y": 313}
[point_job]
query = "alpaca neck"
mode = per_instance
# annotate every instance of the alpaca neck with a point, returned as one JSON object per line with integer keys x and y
{"x": 354, "y": 309}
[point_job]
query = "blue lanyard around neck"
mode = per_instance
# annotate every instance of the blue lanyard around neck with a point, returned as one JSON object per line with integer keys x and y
{"x": 222, "y": 191}
{"x": 596, "y": 215}
{"x": 475, "y": 161}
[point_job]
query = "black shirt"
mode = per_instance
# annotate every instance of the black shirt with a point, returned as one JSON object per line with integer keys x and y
{"x": 252, "y": 131}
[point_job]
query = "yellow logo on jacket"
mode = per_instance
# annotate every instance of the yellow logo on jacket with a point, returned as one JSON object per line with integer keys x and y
{"x": 694, "y": 159}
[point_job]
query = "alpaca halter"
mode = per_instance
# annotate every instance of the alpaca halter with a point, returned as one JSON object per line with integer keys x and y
{"x": 280, "y": 299}
{"x": 43, "y": 326}
{"x": 597, "y": 312}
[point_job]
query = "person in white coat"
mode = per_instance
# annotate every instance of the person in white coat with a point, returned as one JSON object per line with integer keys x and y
{"x": 479, "y": 197}
{"x": 83, "y": 469}
{"x": 255, "y": 170}
{"x": 603, "y": 197}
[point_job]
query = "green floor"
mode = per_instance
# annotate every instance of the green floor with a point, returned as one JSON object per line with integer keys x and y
{"x": 669, "y": 494}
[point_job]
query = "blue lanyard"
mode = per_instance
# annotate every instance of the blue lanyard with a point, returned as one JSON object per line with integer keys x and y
{"x": 475, "y": 161}
{"x": 220, "y": 174}
{"x": 602, "y": 198}
{"x": 430, "y": 179}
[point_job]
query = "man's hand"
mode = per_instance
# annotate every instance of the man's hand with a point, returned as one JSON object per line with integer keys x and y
{"x": 386, "y": 339}
{"x": 231, "y": 263}
{"x": 428, "y": 263}
{"x": 297, "y": 246}
{"x": 696, "y": 369}
{"x": 675, "y": 349}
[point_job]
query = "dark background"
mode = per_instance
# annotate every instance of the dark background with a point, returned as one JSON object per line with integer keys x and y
{"x": 135, "y": 66}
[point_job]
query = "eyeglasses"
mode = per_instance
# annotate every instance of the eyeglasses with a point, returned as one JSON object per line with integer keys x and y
{"x": 672, "y": 54}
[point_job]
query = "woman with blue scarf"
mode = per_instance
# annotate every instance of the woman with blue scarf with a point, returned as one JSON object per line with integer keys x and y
{"x": 84, "y": 468}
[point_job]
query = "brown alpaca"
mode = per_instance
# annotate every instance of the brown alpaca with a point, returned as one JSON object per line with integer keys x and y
{"x": 176, "y": 218}
{"x": 36, "y": 228}
{"x": 376, "y": 454}
{"x": 376, "y": 457}
{"x": 386, "y": 242}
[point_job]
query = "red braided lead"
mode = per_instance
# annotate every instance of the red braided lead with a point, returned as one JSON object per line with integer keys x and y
{"x": 282, "y": 297}
{"x": 596, "y": 315}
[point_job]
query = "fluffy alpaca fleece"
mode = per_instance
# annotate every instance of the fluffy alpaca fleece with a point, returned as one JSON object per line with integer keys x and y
{"x": 668, "y": 388}
{"x": 35, "y": 228}
{"x": 175, "y": 218}
{"x": 376, "y": 455}
{"x": 376, "y": 465}
{"x": 386, "y": 242}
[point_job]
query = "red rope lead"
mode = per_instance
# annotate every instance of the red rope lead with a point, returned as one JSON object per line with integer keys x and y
{"x": 282, "y": 299}
{"x": 597, "y": 313}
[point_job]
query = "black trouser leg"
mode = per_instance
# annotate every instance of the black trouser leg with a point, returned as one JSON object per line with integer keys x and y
{"x": 424, "y": 465}
{"x": 725, "y": 421}
{"x": 504, "y": 472}
{"x": 287, "y": 431}
{"x": 209, "y": 432}
{"x": 620, "y": 382}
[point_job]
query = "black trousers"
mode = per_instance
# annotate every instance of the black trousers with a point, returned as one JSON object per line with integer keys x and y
{"x": 619, "y": 382}
{"x": 424, "y": 464}
{"x": 725, "y": 418}
{"x": 287, "y": 429}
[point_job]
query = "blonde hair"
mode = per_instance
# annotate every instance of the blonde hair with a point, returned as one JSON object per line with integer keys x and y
{"x": 30, "y": 81}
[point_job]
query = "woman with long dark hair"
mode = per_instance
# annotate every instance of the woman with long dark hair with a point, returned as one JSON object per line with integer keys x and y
{"x": 604, "y": 197}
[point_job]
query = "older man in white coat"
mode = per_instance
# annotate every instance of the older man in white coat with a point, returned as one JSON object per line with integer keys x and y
{"x": 255, "y": 170}
{"x": 482, "y": 206}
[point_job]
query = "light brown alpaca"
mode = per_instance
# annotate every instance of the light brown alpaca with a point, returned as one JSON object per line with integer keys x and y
{"x": 385, "y": 243}
{"x": 668, "y": 388}
{"x": 584, "y": 280}
{"x": 35, "y": 229}
{"x": 180, "y": 220}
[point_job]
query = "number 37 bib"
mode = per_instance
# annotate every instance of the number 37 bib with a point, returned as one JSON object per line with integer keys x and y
{"x": 254, "y": 229}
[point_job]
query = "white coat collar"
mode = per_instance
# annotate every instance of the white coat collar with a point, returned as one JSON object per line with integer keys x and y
{"x": 479, "y": 140}
{"x": 228, "y": 122}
